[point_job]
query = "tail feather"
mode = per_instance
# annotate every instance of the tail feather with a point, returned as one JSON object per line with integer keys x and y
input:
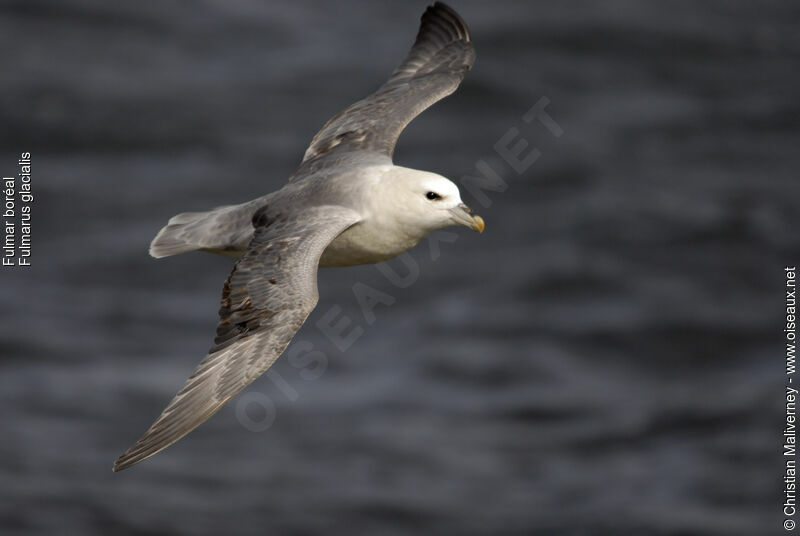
{"x": 223, "y": 230}
{"x": 175, "y": 237}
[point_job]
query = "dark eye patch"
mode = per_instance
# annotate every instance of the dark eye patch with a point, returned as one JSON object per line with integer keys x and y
{"x": 433, "y": 196}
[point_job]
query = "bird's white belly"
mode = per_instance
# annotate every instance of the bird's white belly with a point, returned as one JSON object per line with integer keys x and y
{"x": 366, "y": 243}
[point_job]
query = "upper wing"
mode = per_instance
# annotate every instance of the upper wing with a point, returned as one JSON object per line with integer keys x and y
{"x": 265, "y": 300}
{"x": 433, "y": 69}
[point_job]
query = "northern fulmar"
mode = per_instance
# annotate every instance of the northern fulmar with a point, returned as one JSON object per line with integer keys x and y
{"x": 346, "y": 204}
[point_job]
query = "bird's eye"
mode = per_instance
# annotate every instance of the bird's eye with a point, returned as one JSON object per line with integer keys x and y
{"x": 433, "y": 196}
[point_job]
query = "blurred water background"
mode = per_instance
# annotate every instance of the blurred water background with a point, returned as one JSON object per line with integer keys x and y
{"x": 605, "y": 359}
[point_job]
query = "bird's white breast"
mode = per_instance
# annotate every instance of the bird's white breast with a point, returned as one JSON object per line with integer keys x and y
{"x": 367, "y": 242}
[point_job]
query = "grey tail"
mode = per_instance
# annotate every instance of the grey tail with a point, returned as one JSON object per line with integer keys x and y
{"x": 176, "y": 237}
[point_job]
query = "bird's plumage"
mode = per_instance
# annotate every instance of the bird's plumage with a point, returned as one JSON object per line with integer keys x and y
{"x": 265, "y": 300}
{"x": 437, "y": 63}
{"x": 329, "y": 209}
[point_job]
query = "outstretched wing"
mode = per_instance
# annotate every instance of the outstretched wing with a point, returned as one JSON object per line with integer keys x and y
{"x": 265, "y": 300}
{"x": 433, "y": 69}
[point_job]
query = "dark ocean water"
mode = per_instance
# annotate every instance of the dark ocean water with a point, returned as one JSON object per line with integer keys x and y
{"x": 605, "y": 359}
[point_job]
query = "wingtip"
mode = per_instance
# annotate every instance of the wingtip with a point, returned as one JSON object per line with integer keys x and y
{"x": 133, "y": 456}
{"x": 139, "y": 452}
{"x": 123, "y": 462}
{"x": 118, "y": 466}
{"x": 441, "y": 10}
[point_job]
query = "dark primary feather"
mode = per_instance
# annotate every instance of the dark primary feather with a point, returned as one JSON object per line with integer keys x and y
{"x": 265, "y": 300}
{"x": 438, "y": 61}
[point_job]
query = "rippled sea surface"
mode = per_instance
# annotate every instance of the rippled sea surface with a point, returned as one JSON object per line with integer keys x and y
{"x": 605, "y": 359}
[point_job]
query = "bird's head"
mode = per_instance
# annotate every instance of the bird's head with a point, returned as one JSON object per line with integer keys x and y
{"x": 432, "y": 201}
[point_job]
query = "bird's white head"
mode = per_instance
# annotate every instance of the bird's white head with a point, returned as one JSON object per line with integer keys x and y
{"x": 429, "y": 201}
